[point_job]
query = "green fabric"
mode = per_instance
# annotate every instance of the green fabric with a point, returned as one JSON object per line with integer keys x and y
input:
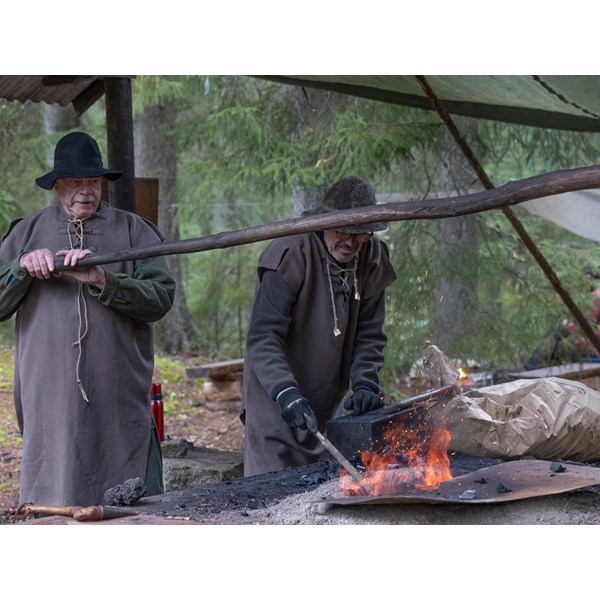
{"x": 132, "y": 295}
{"x": 14, "y": 284}
{"x": 553, "y": 101}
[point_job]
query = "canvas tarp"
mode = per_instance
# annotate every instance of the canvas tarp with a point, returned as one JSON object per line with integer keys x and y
{"x": 551, "y": 101}
{"x": 570, "y": 102}
{"x": 578, "y": 212}
{"x": 549, "y": 419}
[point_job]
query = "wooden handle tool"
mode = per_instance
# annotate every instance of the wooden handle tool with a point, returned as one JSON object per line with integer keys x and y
{"x": 339, "y": 457}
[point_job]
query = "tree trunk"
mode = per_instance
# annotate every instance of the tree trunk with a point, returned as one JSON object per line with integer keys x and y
{"x": 57, "y": 118}
{"x": 307, "y": 105}
{"x": 156, "y": 156}
{"x": 459, "y": 240}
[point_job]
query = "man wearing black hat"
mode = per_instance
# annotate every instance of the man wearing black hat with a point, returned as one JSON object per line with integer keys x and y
{"x": 316, "y": 332}
{"x": 84, "y": 355}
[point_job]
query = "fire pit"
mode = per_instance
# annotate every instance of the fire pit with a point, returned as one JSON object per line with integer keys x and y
{"x": 402, "y": 453}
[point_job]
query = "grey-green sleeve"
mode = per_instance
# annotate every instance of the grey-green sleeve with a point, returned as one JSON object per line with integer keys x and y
{"x": 147, "y": 296}
{"x": 14, "y": 284}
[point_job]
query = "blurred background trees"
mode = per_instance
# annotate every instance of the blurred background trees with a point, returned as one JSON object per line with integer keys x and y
{"x": 235, "y": 152}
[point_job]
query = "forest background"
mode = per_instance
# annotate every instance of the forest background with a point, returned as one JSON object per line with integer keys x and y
{"x": 233, "y": 152}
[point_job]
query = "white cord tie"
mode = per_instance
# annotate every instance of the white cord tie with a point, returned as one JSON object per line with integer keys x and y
{"x": 81, "y": 303}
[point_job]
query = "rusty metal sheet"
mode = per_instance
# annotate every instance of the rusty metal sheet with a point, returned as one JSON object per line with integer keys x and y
{"x": 514, "y": 480}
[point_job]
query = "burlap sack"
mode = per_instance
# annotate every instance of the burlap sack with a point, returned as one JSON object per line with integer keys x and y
{"x": 549, "y": 419}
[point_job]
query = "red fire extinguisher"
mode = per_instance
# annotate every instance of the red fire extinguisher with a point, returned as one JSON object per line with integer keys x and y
{"x": 156, "y": 404}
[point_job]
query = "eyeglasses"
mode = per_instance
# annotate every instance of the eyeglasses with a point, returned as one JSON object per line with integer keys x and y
{"x": 76, "y": 182}
{"x": 359, "y": 237}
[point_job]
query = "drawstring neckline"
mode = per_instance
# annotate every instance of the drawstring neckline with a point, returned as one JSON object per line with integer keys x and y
{"x": 345, "y": 288}
{"x": 81, "y": 303}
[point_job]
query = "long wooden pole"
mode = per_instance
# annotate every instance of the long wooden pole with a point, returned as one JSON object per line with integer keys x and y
{"x": 511, "y": 216}
{"x": 511, "y": 193}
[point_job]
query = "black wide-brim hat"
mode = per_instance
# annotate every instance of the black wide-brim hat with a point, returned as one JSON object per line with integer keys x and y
{"x": 351, "y": 192}
{"x": 76, "y": 155}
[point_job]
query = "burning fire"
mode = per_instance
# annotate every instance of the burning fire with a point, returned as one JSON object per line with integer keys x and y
{"x": 464, "y": 379}
{"x": 415, "y": 455}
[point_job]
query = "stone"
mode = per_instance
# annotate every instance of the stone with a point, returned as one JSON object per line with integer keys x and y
{"x": 200, "y": 466}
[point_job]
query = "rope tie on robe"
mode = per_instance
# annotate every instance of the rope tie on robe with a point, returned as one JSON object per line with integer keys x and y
{"x": 343, "y": 275}
{"x": 76, "y": 241}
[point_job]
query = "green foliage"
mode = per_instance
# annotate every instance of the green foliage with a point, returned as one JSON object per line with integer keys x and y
{"x": 516, "y": 304}
{"x": 244, "y": 145}
{"x": 165, "y": 369}
{"x": 21, "y": 156}
{"x": 219, "y": 291}
{"x": 244, "y": 152}
{"x": 515, "y": 152}
{"x": 9, "y": 209}
{"x": 248, "y": 145}
{"x": 156, "y": 89}
{"x": 7, "y": 370}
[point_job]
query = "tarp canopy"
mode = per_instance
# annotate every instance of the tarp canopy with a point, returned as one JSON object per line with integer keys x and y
{"x": 569, "y": 102}
{"x": 577, "y": 212}
{"x": 566, "y": 102}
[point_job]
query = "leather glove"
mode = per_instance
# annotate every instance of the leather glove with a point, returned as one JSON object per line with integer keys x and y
{"x": 363, "y": 400}
{"x": 296, "y": 410}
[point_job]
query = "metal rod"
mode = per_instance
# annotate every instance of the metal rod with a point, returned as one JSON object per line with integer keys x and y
{"x": 339, "y": 457}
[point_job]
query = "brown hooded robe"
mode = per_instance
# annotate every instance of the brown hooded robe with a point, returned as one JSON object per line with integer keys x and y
{"x": 299, "y": 348}
{"x": 75, "y": 449}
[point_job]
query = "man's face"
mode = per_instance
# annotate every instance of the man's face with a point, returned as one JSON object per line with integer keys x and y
{"x": 79, "y": 197}
{"x": 344, "y": 246}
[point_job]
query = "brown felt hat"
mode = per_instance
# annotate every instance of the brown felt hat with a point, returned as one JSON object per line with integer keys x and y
{"x": 350, "y": 192}
{"x": 76, "y": 155}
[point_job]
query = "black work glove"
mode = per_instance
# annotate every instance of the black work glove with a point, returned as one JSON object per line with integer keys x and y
{"x": 296, "y": 410}
{"x": 363, "y": 400}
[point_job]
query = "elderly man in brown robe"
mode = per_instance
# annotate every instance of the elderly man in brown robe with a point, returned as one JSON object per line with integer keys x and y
{"x": 84, "y": 355}
{"x": 316, "y": 332}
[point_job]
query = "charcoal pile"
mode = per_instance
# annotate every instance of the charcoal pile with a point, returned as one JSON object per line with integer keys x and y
{"x": 242, "y": 495}
{"x": 246, "y": 498}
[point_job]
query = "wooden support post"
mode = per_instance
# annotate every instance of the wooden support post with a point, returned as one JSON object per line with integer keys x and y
{"x": 119, "y": 126}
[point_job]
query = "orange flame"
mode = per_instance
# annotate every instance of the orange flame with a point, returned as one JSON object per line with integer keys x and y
{"x": 409, "y": 455}
{"x": 464, "y": 379}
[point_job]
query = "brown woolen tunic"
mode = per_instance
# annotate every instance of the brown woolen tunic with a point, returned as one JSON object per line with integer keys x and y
{"x": 291, "y": 343}
{"x": 73, "y": 450}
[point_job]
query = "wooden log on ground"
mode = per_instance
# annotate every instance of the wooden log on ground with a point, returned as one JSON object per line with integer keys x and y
{"x": 223, "y": 382}
{"x": 228, "y": 370}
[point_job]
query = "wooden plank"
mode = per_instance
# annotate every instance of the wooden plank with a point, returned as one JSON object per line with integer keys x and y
{"x": 218, "y": 371}
{"x": 569, "y": 371}
{"x": 146, "y": 198}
